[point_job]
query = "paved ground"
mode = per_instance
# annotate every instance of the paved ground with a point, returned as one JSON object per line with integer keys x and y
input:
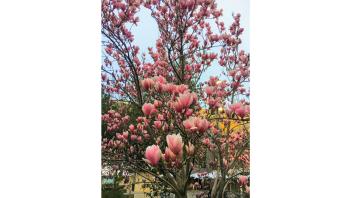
{"x": 190, "y": 194}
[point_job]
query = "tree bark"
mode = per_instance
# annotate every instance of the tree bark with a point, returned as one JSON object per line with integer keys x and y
{"x": 182, "y": 195}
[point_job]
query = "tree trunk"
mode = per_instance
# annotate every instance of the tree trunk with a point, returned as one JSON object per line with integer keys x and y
{"x": 181, "y": 195}
{"x": 218, "y": 189}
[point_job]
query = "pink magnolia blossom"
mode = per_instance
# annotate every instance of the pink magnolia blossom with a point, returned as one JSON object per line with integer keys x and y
{"x": 188, "y": 68}
{"x": 147, "y": 83}
{"x": 153, "y": 155}
{"x": 214, "y": 130}
{"x": 243, "y": 180}
{"x": 146, "y": 136}
{"x": 104, "y": 77}
{"x": 196, "y": 124}
{"x": 169, "y": 155}
{"x": 239, "y": 109}
{"x": 240, "y": 112}
{"x": 190, "y": 149}
{"x": 131, "y": 127}
{"x": 148, "y": 109}
{"x": 189, "y": 112}
{"x": 139, "y": 139}
{"x": 160, "y": 117}
{"x": 157, "y": 124}
{"x": 209, "y": 90}
{"x": 133, "y": 137}
{"x": 189, "y": 124}
{"x": 181, "y": 88}
{"x": 125, "y": 134}
{"x": 232, "y": 73}
{"x": 247, "y": 189}
{"x": 157, "y": 103}
{"x": 178, "y": 107}
{"x": 160, "y": 79}
{"x": 185, "y": 100}
{"x": 213, "y": 102}
{"x": 174, "y": 142}
{"x": 202, "y": 125}
{"x": 206, "y": 141}
{"x": 119, "y": 136}
{"x": 159, "y": 87}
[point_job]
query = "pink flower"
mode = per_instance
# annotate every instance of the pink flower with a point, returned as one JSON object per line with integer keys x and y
{"x": 212, "y": 56}
{"x": 240, "y": 112}
{"x": 243, "y": 180}
{"x": 148, "y": 109}
{"x": 206, "y": 141}
{"x": 146, "y": 136}
{"x": 117, "y": 143}
{"x": 181, "y": 88}
{"x": 239, "y": 109}
{"x": 157, "y": 124}
{"x": 160, "y": 79}
{"x": 241, "y": 89}
{"x": 188, "y": 68}
{"x": 104, "y": 77}
{"x": 202, "y": 124}
{"x": 196, "y": 124}
{"x": 190, "y": 149}
{"x": 189, "y": 124}
{"x": 131, "y": 127}
{"x": 178, "y": 107}
{"x": 152, "y": 155}
{"x": 174, "y": 142}
{"x": 158, "y": 87}
{"x": 169, "y": 87}
{"x": 185, "y": 100}
{"x": 120, "y": 5}
{"x": 140, "y": 126}
{"x": 232, "y": 73}
{"x": 139, "y": 119}
{"x": 209, "y": 90}
{"x": 160, "y": 117}
{"x": 125, "y": 134}
{"x": 108, "y": 50}
{"x": 214, "y": 130}
{"x": 213, "y": 103}
{"x": 235, "y": 106}
{"x": 157, "y": 103}
{"x": 133, "y": 137}
{"x": 243, "y": 58}
{"x": 247, "y": 189}
{"x": 119, "y": 136}
{"x": 169, "y": 155}
{"x": 147, "y": 83}
{"x": 189, "y": 112}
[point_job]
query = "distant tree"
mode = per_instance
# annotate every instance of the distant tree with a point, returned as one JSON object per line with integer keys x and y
{"x": 116, "y": 190}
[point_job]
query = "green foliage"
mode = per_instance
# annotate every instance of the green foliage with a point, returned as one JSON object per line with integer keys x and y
{"x": 114, "y": 190}
{"x": 112, "y": 193}
{"x": 157, "y": 190}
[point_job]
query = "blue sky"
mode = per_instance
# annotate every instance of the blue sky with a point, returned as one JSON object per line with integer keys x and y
{"x": 146, "y": 32}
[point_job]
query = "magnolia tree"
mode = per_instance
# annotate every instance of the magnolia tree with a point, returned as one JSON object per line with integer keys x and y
{"x": 168, "y": 124}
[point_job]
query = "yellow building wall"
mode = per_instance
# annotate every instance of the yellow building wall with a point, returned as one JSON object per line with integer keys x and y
{"x": 137, "y": 181}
